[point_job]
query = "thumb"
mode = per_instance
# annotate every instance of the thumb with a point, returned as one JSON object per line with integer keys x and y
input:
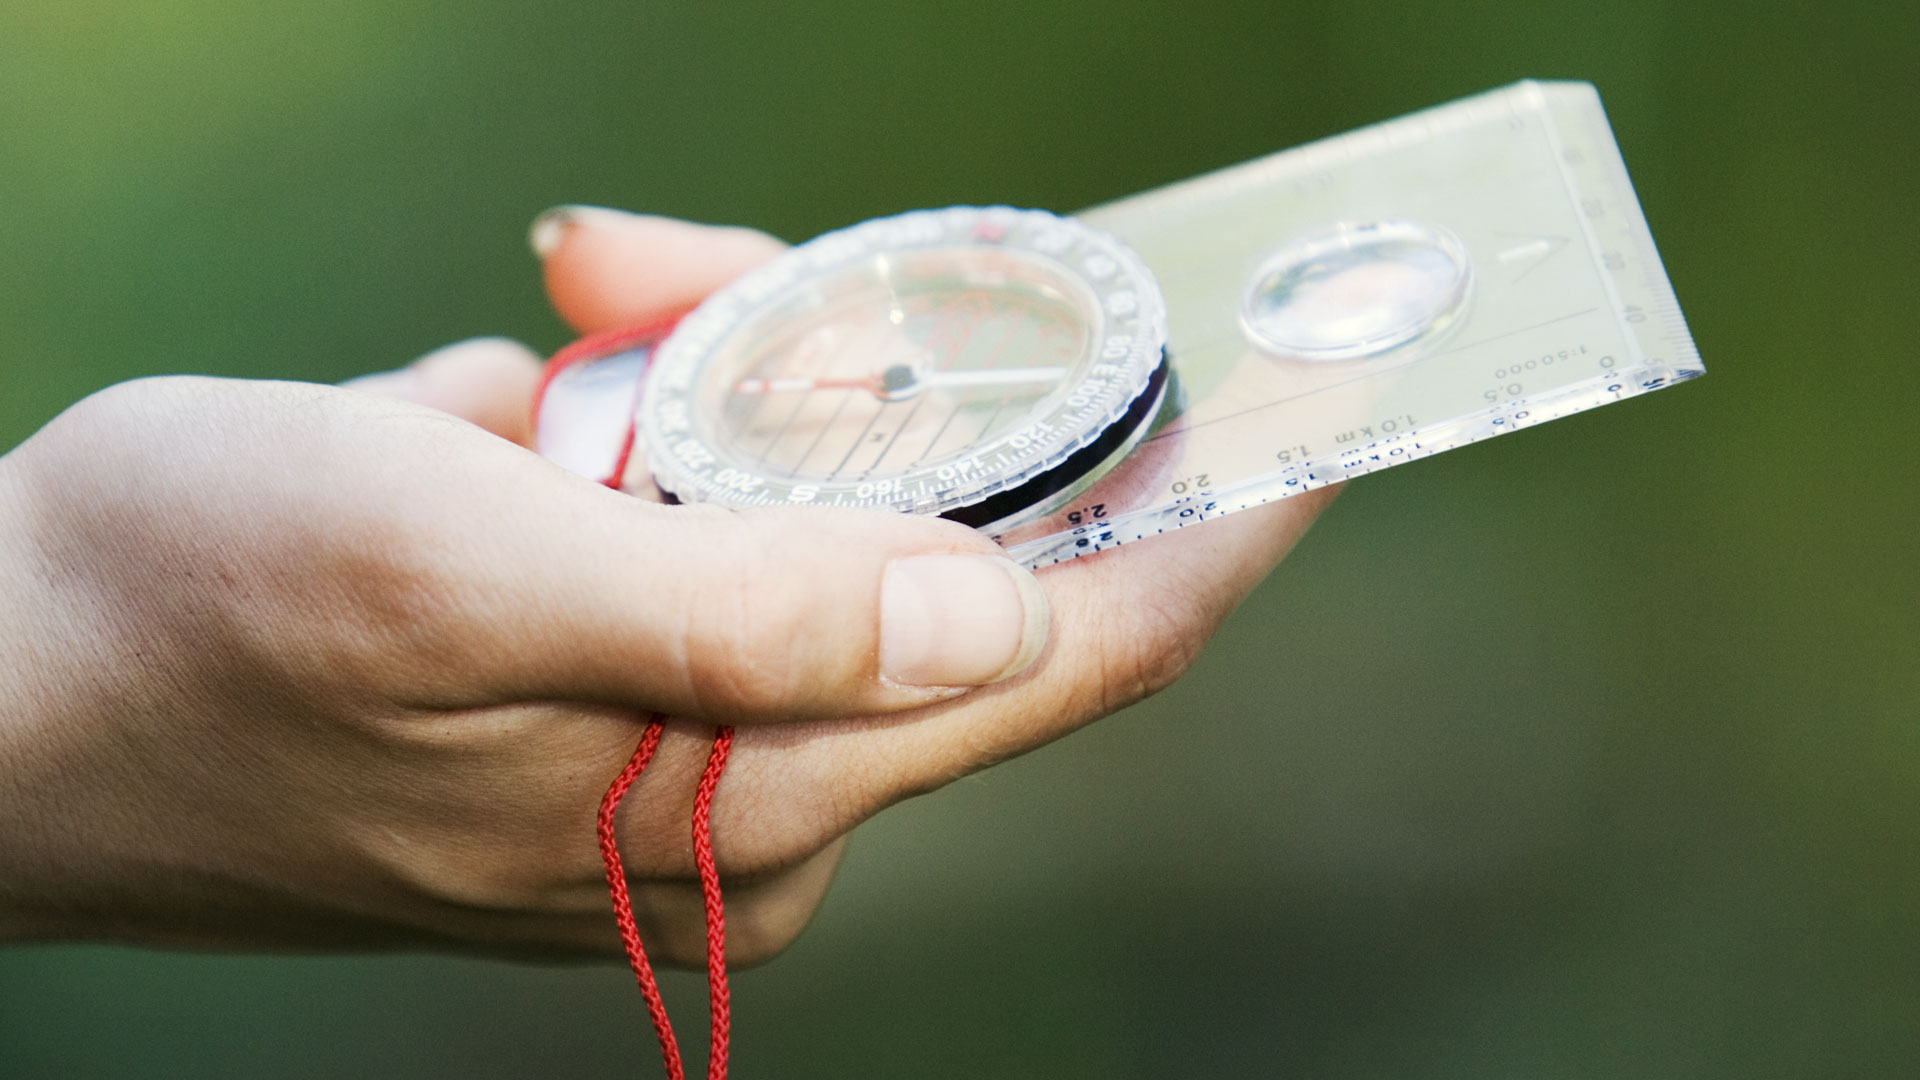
{"x": 731, "y": 616}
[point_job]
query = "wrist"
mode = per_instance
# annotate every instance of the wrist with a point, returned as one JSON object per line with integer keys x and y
{"x": 32, "y": 701}
{"x": 18, "y": 690}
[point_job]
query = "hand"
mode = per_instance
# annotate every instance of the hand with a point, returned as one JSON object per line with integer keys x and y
{"x": 1125, "y": 624}
{"x": 300, "y": 666}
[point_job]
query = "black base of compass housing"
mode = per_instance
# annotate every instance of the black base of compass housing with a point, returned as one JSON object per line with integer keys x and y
{"x": 1075, "y": 467}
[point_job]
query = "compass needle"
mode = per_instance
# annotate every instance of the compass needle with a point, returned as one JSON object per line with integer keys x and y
{"x": 900, "y": 381}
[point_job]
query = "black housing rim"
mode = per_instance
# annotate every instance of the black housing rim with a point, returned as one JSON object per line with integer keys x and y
{"x": 1077, "y": 465}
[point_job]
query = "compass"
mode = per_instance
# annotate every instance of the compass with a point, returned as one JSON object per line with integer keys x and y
{"x": 980, "y": 363}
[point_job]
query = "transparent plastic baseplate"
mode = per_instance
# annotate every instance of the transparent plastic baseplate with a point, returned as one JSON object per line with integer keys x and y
{"x": 1538, "y": 294}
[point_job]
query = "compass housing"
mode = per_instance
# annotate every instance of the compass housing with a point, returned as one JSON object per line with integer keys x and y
{"x": 932, "y": 362}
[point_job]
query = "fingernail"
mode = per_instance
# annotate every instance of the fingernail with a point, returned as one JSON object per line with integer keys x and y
{"x": 550, "y": 227}
{"x": 959, "y": 620}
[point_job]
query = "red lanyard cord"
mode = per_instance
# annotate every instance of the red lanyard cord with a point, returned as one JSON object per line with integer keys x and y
{"x": 719, "y": 998}
{"x": 719, "y": 1014}
{"x": 719, "y": 1011}
{"x": 623, "y": 905}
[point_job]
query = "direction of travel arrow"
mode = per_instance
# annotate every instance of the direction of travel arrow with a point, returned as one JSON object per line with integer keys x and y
{"x": 1526, "y": 255}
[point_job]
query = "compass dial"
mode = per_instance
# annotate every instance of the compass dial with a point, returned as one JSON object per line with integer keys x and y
{"x": 932, "y": 362}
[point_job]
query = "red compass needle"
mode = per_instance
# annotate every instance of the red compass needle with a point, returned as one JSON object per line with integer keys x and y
{"x": 901, "y": 381}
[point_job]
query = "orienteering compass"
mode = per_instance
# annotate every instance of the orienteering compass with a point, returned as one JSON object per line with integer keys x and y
{"x": 1332, "y": 310}
{"x": 983, "y": 364}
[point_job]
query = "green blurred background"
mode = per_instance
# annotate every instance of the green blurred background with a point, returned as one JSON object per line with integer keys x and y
{"x": 1593, "y": 751}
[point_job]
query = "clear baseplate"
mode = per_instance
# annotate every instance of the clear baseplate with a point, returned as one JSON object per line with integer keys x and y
{"x": 1378, "y": 297}
{"x": 1343, "y": 307}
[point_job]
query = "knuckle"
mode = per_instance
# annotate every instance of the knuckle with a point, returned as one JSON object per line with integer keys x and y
{"x": 675, "y": 942}
{"x": 769, "y": 913}
{"x": 772, "y": 855}
{"x": 766, "y": 911}
{"x": 769, "y": 846}
{"x": 1152, "y": 650}
{"x": 761, "y": 936}
{"x": 746, "y": 635}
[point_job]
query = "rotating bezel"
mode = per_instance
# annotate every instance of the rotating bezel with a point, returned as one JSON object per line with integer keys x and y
{"x": 1123, "y": 350}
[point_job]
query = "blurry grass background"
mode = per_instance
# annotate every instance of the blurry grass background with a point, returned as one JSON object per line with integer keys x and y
{"x": 1593, "y": 751}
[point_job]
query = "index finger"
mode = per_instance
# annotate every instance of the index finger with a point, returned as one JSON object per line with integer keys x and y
{"x": 608, "y": 268}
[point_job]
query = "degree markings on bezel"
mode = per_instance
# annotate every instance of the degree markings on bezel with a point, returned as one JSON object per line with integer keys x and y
{"x": 1124, "y": 336}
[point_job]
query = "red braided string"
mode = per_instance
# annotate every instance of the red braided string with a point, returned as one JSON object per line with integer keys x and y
{"x": 719, "y": 999}
{"x": 720, "y": 1014}
{"x": 623, "y": 905}
{"x": 593, "y": 347}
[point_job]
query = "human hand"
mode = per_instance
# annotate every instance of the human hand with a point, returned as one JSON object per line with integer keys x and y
{"x": 301, "y": 666}
{"x": 1125, "y": 623}
{"x": 297, "y": 666}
